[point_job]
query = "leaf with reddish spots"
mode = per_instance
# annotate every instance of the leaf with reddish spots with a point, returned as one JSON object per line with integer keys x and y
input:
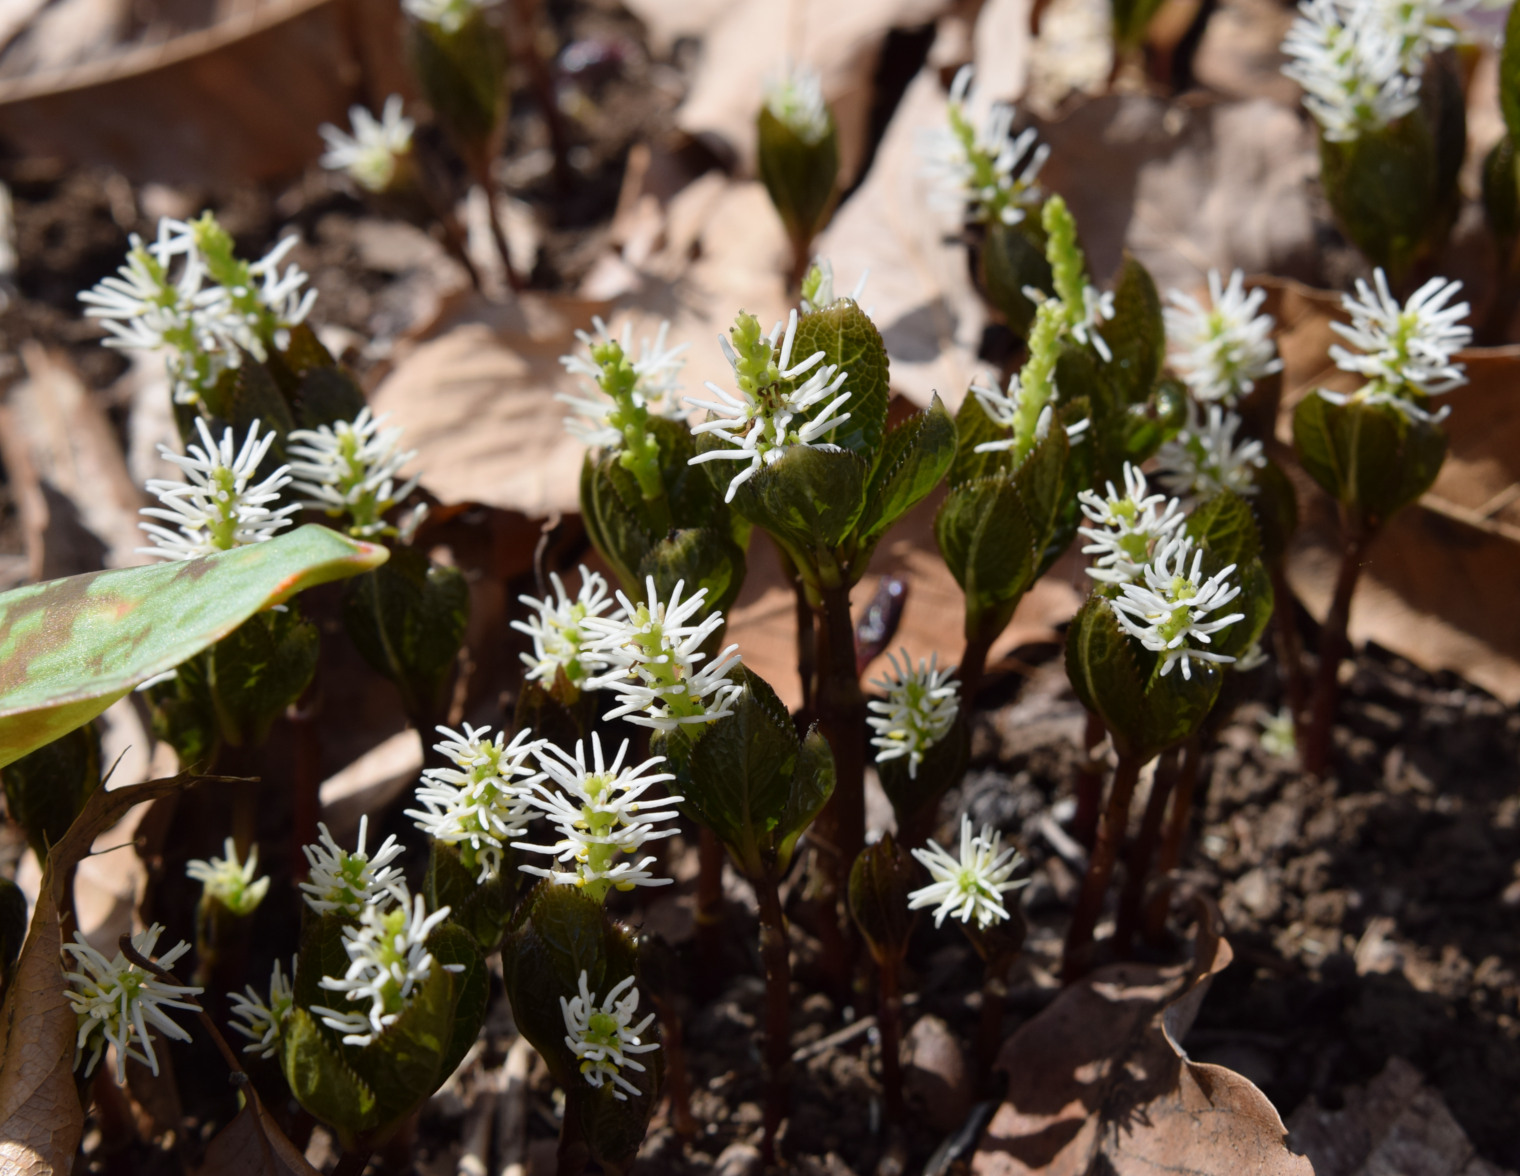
{"x": 69, "y": 648}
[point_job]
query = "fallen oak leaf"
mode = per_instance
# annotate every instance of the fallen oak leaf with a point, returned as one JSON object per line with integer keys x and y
{"x": 1098, "y": 1082}
{"x": 40, "y": 1116}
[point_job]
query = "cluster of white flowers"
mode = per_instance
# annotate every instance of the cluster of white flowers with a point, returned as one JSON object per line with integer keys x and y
{"x": 656, "y": 381}
{"x": 1405, "y": 347}
{"x": 818, "y": 287}
{"x": 1166, "y": 608}
{"x": 118, "y": 1002}
{"x": 350, "y": 469}
{"x": 1360, "y": 61}
{"x": 652, "y": 653}
{"x": 347, "y": 883}
{"x": 1222, "y": 349}
{"x": 561, "y": 640}
{"x": 795, "y": 99}
{"x": 481, "y": 803}
{"x": 599, "y": 815}
{"x": 263, "y": 1021}
{"x": 1126, "y": 527}
{"x": 776, "y": 407}
{"x": 603, "y": 1036}
{"x": 919, "y": 708}
{"x": 1007, "y": 410}
{"x": 388, "y": 959}
{"x": 984, "y": 174}
{"x": 372, "y": 155}
{"x": 448, "y": 15}
{"x": 230, "y": 882}
{"x": 204, "y": 316}
{"x": 972, "y": 885}
{"x": 218, "y": 506}
{"x": 1203, "y": 458}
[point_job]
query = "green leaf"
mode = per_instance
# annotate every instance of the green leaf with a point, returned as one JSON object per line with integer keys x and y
{"x": 800, "y": 176}
{"x": 321, "y": 1081}
{"x": 1131, "y": 19}
{"x": 1501, "y": 191}
{"x": 1509, "y": 75}
{"x": 1011, "y": 259}
{"x": 69, "y": 648}
{"x": 974, "y": 427}
{"x": 46, "y": 790}
{"x": 484, "y": 909}
{"x": 1275, "y": 505}
{"x": 702, "y": 558}
{"x": 742, "y": 770}
{"x": 1225, "y": 529}
{"x": 1147, "y": 426}
{"x": 915, "y": 797}
{"x": 243, "y": 395}
{"x": 914, "y": 457}
{"x": 990, "y": 547}
{"x": 1373, "y": 458}
{"x": 882, "y": 878}
{"x": 847, "y": 337}
{"x": 808, "y": 501}
{"x": 321, "y": 954}
{"x": 1136, "y": 335}
{"x": 811, "y": 786}
{"x": 613, "y": 508}
{"x": 407, "y": 618}
{"x": 463, "y": 78}
{"x": 258, "y": 670}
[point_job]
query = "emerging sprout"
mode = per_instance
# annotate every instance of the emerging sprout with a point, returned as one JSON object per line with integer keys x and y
{"x": 1126, "y": 528}
{"x": 972, "y": 885}
{"x": 1166, "y": 610}
{"x": 1204, "y": 459}
{"x": 347, "y": 883}
{"x": 117, "y": 1002}
{"x": 776, "y": 408}
{"x": 985, "y": 174}
{"x": 218, "y": 507}
{"x": 919, "y": 708}
{"x": 350, "y": 469}
{"x": 388, "y": 959}
{"x": 262, "y": 1021}
{"x": 603, "y": 1036}
{"x": 482, "y": 802}
{"x": 1221, "y": 350}
{"x": 599, "y": 816}
{"x": 561, "y": 638}
{"x": 376, "y": 151}
{"x": 230, "y": 882}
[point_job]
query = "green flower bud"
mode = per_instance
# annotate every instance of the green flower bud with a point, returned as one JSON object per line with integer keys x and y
{"x": 799, "y": 155}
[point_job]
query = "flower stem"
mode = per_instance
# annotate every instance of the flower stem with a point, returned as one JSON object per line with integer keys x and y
{"x": 710, "y": 912}
{"x": 973, "y": 665}
{"x": 1143, "y": 850}
{"x": 1332, "y": 647}
{"x": 1078, "y": 958}
{"x": 1089, "y": 785}
{"x": 775, "y": 953}
{"x": 1176, "y": 836}
{"x": 889, "y": 1024}
{"x": 1290, "y": 654}
{"x": 840, "y": 826}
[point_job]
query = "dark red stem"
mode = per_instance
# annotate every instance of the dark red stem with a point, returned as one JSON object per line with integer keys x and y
{"x": 775, "y": 953}
{"x": 1137, "y": 868}
{"x": 1078, "y": 958}
{"x": 1332, "y": 648}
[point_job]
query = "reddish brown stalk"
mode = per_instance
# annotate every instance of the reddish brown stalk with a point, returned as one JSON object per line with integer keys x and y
{"x": 889, "y": 1025}
{"x": 541, "y": 81}
{"x": 840, "y": 830}
{"x": 1290, "y": 654}
{"x": 1332, "y": 648}
{"x": 306, "y": 803}
{"x": 1176, "y": 837}
{"x": 677, "y": 1082}
{"x": 1088, "y": 785}
{"x": 775, "y": 953}
{"x": 1137, "y": 868}
{"x": 973, "y": 667}
{"x": 710, "y": 907}
{"x": 1084, "y": 919}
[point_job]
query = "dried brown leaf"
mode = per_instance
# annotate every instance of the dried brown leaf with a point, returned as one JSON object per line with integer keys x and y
{"x": 253, "y": 1145}
{"x": 1098, "y": 1082}
{"x": 40, "y": 1116}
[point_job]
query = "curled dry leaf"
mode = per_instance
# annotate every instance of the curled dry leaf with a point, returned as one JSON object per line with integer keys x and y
{"x": 1436, "y": 587}
{"x": 253, "y": 1145}
{"x": 40, "y": 1116}
{"x": 1098, "y": 1082}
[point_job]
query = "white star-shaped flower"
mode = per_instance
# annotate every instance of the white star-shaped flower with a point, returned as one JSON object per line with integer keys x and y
{"x": 919, "y": 708}
{"x": 603, "y": 1036}
{"x": 1222, "y": 349}
{"x": 1166, "y": 610}
{"x": 972, "y": 885}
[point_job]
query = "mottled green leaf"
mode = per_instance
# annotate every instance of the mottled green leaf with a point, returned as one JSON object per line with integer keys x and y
{"x": 974, "y": 427}
{"x": 1373, "y": 458}
{"x": 482, "y": 908}
{"x": 69, "y": 648}
{"x": 847, "y": 337}
{"x": 915, "y": 795}
{"x": 811, "y": 786}
{"x": 809, "y": 501}
{"x": 613, "y": 508}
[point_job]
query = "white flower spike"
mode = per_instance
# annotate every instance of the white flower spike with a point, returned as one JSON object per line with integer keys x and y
{"x": 349, "y": 469}
{"x": 219, "y": 506}
{"x": 1222, "y": 349}
{"x": 1166, "y": 610}
{"x": 919, "y": 708}
{"x": 448, "y": 15}
{"x": 349, "y": 882}
{"x": 372, "y": 155}
{"x": 263, "y": 1021}
{"x": 561, "y": 638}
{"x": 795, "y": 99}
{"x": 984, "y": 174}
{"x": 603, "y": 1036}
{"x": 1413, "y": 344}
{"x": 657, "y": 372}
{"x": 652, "y": 653}
{"x": 600, "y": 815}
{"x": 118, "y": 1003}
{"x": 1351, "y": 66}
{"x": 1006, "y": 410}
{"x": 770, "y": 413}
{"x": 230, "y": 882}
{"x": 388, "y": 959}
{"x": 483, "y": 802}
{"x": 1204, "y": 458}
{"x": 1126, "y": 528}
{"x": 972, "y": 885}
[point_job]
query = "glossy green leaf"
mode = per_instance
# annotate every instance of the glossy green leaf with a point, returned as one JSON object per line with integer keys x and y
{"x": 847, "y": 337}
{"x": 613, "y": 509}
{"x": 243, "y": 395}
{"x": 321, "y": 1081}
{"x": 809, "y": 501}
{"x": 1501, "y": 191}
{"x": 812, "y": 784}
{"x": 1010, "y": 260}
{"x": 799, "y": 176}
{"x": 1509, "y": 75}
{"x": 1135, "y": 335}
{"x": 407, "y": 618}
{"x": 1275, "y": 505}
{"x": 1372, "y": 458}
{"x": 974, "y": 427}
{"x": 914, "y": 457}
{"x": 484, "y": 909}
{"x": 882, "y": 878}
{"x": 700, "y": 558}
{"x": 69, "y": 648}
{"x": 1225, "y": 527}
